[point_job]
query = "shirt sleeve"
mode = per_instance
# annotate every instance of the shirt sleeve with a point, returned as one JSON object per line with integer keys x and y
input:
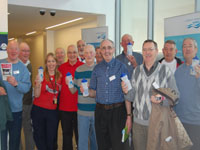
{"x": 24, "y": 83}
{"x": 93, "y": 80}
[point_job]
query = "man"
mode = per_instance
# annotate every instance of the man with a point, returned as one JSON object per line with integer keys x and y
{"x": 68, "y": 101}
{"x": 131, "y": 61}
{"x": 80, "y": 46}
{"x": 17, "y": 84}
{"x": 98, "y": 56}
{"x": 86, "y": 105}
{"x": 188, "y": 108}
{"x": 60, "y": 55}
{"x": 169, "y": 51}
{"x": 27, "y": 99}
{"x": 111, "y": 115}
{"x": 143, "y": 78}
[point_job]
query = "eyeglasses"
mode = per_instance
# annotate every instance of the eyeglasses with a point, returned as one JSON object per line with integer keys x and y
{"x": 148, "y": 49}
{"x": 187, "y": 46}
{"x": 108, "y": 48}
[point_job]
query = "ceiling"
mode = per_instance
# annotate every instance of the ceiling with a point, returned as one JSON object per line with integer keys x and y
{"x": 23, "y": 19}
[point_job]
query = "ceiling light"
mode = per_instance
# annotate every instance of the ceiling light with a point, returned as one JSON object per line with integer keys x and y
{"x": 60, "y": 24}
{"x": 10, "y": 39}
{"x": 31, "y": 33}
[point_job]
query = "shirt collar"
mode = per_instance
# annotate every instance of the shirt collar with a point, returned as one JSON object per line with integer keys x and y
{"x": 110, "y": 63}
{"x": 26, "y": 64}
{"x": 149, "y": 72}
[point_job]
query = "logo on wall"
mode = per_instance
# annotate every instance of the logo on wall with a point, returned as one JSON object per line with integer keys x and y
{"x": 3, "y": 41}
{"x": 194, "y": 24}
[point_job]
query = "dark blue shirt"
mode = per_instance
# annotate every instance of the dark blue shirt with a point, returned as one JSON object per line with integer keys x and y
{"x": 122, "y": 57}
{"x": 106, "y": 81}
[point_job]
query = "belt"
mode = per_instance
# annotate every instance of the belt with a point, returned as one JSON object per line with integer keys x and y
{"x": 109, "y": 106}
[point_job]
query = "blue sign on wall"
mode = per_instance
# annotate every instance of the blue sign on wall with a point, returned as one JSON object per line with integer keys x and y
{"x": 3, "y": 41}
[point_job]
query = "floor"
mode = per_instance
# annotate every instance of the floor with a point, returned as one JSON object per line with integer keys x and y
{"x": 59, "y": 139}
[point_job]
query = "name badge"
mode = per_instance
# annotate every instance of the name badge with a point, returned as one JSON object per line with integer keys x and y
{"x": 155, "y": 85}
{"x": 16, "y": 72}
{"x": 112, "y": 78}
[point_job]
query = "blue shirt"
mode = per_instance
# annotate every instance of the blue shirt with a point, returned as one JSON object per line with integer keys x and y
{"x": 15, "y": 94}
{"x": 188, "y": 107}
{"x": 123, "y": 58}
{"x": 106, "y": 81}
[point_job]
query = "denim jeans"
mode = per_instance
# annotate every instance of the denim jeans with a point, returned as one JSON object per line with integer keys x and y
{"x": 86, "y": 129}
{"x": 13, "y": 128}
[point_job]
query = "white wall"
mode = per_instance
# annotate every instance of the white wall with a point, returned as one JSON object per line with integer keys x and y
{"x": 67, "y": 36}
{"x": 106, "y": 7}
{"x": 36, "y": 44}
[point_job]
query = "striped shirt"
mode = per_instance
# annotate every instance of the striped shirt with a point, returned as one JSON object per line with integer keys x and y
{"x": 106, "y": 81}
{"x": 86, "y": 105}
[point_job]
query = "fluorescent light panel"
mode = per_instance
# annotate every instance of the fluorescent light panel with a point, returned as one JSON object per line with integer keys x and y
{"x": 10, "y": 39}
{"x": 60, "y": 24}
{"x": 31, "y": 33}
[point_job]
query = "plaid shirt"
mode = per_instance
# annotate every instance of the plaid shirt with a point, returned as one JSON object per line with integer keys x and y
{"x": 106, "y": 81}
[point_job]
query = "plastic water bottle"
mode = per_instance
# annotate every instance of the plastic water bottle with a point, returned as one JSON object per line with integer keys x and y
{"x": 129, "y": 48}
{"x": 195, "y": 61}
{"x": 69, "y": 77}
{"x": 40, "y": 73}
{"x": 124, "y": 78}
{"x": 85, "y": 87}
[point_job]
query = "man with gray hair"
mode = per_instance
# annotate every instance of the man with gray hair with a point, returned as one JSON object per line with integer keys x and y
{"x": 86, "y": 105}
{"x": 16, "y": 84}
{"x": 24, "y": 55}
{"x": 68, "y": 101}
{"x": 188, "y": 108}
{"x": 80, "y": 46}
{"x": 169, "y": 51}
{"x": 131, "y": 61}
{"x": 112, "y": 112}
{"x": 60, "y": 55}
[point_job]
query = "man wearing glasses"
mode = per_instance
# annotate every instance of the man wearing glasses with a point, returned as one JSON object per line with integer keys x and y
{"x": 112, "y": 112}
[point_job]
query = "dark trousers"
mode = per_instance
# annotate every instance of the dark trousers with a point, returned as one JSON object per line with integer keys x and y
{"x": 44, "y": 127}
{"x": 69, "y": 124}
{"x": 194, "y": 134}
{"x": 109, "y": 125}
{"x": 13, "y": 128}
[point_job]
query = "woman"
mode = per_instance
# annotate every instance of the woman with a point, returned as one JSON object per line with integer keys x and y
{"x": 44, "y": 114}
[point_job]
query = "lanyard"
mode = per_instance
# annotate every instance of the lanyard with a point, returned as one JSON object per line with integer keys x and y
{"x": 53, "y": 86}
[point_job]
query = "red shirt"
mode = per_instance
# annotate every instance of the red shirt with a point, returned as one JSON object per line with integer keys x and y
{"x": 68, "y": 101}
{"x": 45, "y": 100}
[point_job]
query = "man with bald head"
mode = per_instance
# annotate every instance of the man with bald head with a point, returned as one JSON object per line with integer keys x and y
{"x": 17, "y": 84}
{"x": 131, "y": 61}
{"x": 24, "y": 55}
{"x": 68, "y": 101}
{"x": 60, "y": 55}
{"x": 80, "y": 46}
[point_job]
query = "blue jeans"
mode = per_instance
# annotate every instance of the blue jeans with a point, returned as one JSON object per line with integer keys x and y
{"x": 86, "y": 129}
{"x": 13, "y": 128}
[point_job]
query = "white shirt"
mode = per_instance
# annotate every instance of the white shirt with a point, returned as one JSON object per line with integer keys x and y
{"x": 172, "y": 65}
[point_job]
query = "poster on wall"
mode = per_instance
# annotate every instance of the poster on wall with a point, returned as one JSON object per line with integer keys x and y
{"x": 94, "y": 36}
{"x": 3, "y": 44}
{"x": 180, "y": 27}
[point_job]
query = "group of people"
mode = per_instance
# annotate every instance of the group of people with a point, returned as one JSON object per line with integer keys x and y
{"x": 97, "y": 120}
